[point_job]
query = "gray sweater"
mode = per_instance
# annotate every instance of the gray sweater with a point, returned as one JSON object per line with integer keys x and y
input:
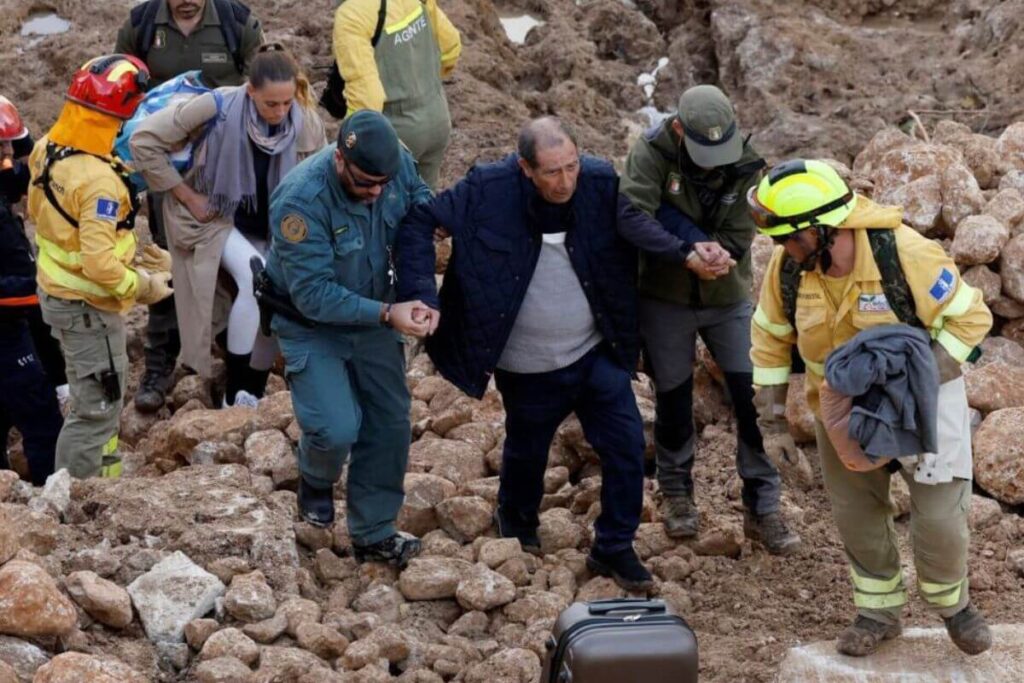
{"x": 555, "y": 326}
{"x": 892, "y": 375}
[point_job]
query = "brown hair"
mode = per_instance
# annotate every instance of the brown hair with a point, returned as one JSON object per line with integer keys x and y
{"x": 273, "y": 63}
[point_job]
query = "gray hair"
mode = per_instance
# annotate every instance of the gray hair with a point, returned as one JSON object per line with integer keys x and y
{"x": 543, "y": 133}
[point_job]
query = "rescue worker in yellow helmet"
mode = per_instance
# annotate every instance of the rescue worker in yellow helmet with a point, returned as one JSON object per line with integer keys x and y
{"x": 84, "y": 210}
{"x": 844, "y": 264}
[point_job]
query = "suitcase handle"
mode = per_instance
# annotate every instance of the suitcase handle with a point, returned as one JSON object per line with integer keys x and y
{"x": 626, "y": 605}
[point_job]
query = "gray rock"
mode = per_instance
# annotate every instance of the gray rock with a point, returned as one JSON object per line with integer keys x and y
{"x": 24, "y": 657}
{"x": 923, "y": 655}
{"x": 171, "y": 594}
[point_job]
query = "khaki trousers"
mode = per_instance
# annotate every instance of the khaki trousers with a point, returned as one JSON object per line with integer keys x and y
{"x": 87, "y": 445}
{"x": 863, "y": 512}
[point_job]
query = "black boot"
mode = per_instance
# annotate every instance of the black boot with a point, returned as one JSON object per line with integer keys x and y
{"x": 624, "y": 567}
{"x": 528, "y": 538}
{"x": 316, "y": 506}
{"x": 152, "y": 393}
{"x": 397, "y": 550}
{"x": 239, "y": 374}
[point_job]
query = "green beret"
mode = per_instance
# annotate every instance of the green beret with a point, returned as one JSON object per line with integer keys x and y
{"x": 368, "y": 140}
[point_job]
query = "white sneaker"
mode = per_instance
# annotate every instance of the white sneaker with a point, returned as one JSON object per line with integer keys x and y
{"x": 242, "y": 399}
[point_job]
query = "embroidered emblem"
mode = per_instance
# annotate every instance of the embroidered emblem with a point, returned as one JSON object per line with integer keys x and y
{"x": 873, "y": 303}
{"x": 106, "y": 209}
{"x": 715, "y": 134}
{"x": 675, "y": 183}
{"x": 293, "y": 228}
{"x": 160, "y": 39}
{"x": 350, "y": 140}
{"x": 943, "y": 285}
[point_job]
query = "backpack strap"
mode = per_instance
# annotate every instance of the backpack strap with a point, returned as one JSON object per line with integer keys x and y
{"x": 234, "y": 15}
{"x": 143, "y": 19}
{"x": 894, "y": 282}
{"x": 789, "y": 284}
{"x": 381, "y": 14}
{"x": 54, "y": 153}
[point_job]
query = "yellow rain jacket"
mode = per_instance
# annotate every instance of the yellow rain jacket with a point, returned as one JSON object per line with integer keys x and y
{"x": 953, "y": 312}
{"x": 91, "y": 262}
{"x": 354, "y": 23}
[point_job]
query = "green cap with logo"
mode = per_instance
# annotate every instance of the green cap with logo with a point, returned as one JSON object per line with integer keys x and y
{"x": 368, "y": 140}
{"x": 709, "y": 127}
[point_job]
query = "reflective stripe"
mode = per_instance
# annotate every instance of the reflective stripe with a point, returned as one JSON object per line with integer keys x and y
{"x": 110, "y": 447}
{"x": 869, "y": 585}
{"x": 30, "y": 300}
{"x": 452, "y": 53}
{"x": 73, "y": 259}
{"x": 112, "y": 471}
{"x": 956, "y": 348}
{"x": 50, "y": 256}
{"x": 885, "y": 601}
{"x": 816, "y": 368}
{"x": 402, "y": 23}
{"x": 767, "y": 376}
{"x": 932, "y": 593}
{"x": 774, "y": 329}
{"x": 959, "y": 304}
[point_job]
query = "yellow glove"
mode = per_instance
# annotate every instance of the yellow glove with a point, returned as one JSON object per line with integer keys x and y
{"x": 152, "y": 287}
{"x": 154, "y": 259}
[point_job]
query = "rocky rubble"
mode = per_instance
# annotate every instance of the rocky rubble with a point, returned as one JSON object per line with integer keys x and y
{"x": 194, "y": 566}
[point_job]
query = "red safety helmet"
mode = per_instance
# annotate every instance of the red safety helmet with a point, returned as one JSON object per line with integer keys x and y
{"x": 11, "y": 125}
{"x": 112, "y": 84}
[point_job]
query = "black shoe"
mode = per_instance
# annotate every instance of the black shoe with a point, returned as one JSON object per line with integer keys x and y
{"x": 624, "y": 567}
{"x": 316, "y": 506}
{"x": 152, "y": 393}
{"x": 528, "y": 539}
{"x": 396, "y": 550}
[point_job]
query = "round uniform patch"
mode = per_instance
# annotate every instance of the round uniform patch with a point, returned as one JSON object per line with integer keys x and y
{"x": 293, "y": 228}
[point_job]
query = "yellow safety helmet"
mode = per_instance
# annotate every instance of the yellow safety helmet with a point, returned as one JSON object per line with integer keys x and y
{"x": 799, "y": 194}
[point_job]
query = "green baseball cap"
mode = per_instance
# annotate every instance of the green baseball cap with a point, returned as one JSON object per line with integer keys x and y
{"x": 709, "y": 127}
{"x": 368, "y": 140}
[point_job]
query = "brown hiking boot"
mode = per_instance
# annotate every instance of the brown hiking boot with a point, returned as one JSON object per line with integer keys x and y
{"x": 864, "y": 635}
{"x": 968, "y": 630}
{"x": 771, "y": 530}
{"x": 680, "y": 516}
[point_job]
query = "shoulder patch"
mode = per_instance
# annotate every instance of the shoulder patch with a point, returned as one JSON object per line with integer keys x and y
{"x": 106, "y": 209}
{"x": 943, "y": 285}
{"x": 293, "y": 228}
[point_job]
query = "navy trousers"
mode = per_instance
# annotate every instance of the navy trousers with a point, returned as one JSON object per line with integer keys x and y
{"x": 27, "y": 400}
{"x": 598, "y": 390}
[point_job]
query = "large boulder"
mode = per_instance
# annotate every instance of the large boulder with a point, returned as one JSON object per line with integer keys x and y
{"x": 482, "y": 589}
{"x": 171, "y": 594}
{"x": 187, "y": 430}
{"x": 979, "y": 240}
{"x": 456, "y": 461}
{"x": 75, "y": 667}
{"x": 995, "y": 386}
{"x": 999, "y": 455}
{"x": 431, "y": 578}
{"x": 31, "y": 604}
{"x": 423, "y": 493}
{"x": 104, "y": 600}
{"x": 1011, "y": 268}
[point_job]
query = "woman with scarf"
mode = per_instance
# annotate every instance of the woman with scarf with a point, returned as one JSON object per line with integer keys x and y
{"x": 246, "y": 139}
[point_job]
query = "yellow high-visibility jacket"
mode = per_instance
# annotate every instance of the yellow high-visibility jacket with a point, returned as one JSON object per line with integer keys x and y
{"x": 90, "y": 263}
{"x": 954, "y": 312}
{"x": 354, "y": 23}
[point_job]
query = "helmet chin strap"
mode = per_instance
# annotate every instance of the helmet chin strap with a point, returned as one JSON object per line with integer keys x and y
{"x": 822, "y": 253}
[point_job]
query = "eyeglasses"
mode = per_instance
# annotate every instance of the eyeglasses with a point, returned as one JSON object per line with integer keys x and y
{"x": 364, "y": 184}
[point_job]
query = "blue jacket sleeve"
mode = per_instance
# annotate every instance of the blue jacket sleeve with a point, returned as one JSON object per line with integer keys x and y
{"x": 670, "y": 237}
{"x": 308, "y": 269}
{"x": 415, "y": 252}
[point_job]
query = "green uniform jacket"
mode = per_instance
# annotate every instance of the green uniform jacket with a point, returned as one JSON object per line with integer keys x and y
{"x": 203, "y": 49}
{"x": 654, "y": 174}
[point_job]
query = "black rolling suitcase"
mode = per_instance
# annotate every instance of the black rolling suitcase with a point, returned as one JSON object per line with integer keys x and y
{"x": 629, "y": 640}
